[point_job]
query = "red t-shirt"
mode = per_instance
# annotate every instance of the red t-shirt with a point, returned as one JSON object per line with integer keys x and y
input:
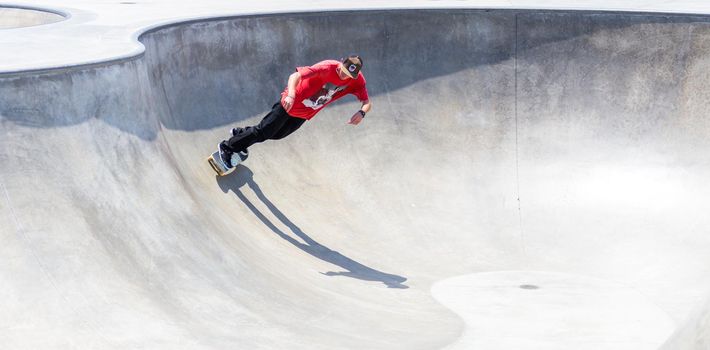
{"x": 321, "y": 85}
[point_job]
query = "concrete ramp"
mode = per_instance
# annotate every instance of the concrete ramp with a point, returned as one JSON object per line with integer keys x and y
{"x": 526, "y": 180}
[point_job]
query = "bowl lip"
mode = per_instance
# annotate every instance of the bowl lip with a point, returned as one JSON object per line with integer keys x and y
{"x": 132, "y": 48}
{"x": 66, "y": 15}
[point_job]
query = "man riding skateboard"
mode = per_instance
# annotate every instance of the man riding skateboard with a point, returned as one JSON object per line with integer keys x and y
{"x": 309, "y": 89}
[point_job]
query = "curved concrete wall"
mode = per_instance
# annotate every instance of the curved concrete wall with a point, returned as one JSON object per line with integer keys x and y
{"x": 499, "y": 140}
{"x": 19, "y": 17}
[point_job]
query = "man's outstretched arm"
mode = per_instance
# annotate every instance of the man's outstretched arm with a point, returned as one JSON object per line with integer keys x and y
{"x": 292, "y": 83}
{"x": 359, "y": 115}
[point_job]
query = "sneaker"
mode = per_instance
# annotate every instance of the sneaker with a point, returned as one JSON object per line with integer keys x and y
{"x": 243, "y": 155}
{"x": 225, "y": 155}
{"x": 239, "y": 157}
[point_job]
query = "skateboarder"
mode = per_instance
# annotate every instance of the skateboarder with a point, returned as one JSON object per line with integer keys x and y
{"x": 309, "y": 89}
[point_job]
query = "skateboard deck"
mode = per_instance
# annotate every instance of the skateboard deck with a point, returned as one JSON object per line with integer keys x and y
{"x": 217, "y": 165}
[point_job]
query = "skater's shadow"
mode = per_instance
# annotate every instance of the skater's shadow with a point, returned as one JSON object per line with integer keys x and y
{"x": 243, "y": 176}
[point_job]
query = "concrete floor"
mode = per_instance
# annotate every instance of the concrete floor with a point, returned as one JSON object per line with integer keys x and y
{"x": 527, "y": 179}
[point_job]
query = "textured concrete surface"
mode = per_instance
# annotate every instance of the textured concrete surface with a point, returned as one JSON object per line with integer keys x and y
{"x": 11, "y": 18}
{"x": 100, "y": 31}
{"x": 501, "y": 313}
{"x": 540, "y": 142}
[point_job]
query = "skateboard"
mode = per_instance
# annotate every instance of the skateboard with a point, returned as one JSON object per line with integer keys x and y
{"x": 216, "y": 163}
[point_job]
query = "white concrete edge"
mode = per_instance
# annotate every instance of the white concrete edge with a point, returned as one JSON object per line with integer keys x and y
{"x": 57, "y": 11}
{"x": 73, "y": 15}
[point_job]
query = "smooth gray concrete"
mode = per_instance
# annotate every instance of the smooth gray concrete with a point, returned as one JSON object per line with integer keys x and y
{"x": 103, "y": 31}
{"x": 21, "y": 17}
{"x": 553, "y": 143}
{"x": 501, "y": 313}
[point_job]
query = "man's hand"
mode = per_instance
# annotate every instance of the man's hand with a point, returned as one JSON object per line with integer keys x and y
{"x": 287, "y": 103}
{"x": 293, "y": 80}
{"x": 356, "y": 118}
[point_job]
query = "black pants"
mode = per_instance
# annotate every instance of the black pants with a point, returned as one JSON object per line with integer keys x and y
{"x": 275, "y": 125}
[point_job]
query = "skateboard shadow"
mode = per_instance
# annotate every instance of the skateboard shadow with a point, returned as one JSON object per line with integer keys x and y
{"x": 244, "y": 176}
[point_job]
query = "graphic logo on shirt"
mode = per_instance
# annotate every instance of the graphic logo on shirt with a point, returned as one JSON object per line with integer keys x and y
{"x": 323, "y": 96}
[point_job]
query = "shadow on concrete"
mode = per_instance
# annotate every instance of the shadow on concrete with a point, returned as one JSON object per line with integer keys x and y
{"x": 244, "y": 176}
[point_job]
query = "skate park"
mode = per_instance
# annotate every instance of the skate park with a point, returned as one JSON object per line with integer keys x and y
{"x": 532, "y": 176}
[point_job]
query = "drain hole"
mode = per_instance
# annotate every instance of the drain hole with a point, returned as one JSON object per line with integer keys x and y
{"x": 529, "y": 286}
